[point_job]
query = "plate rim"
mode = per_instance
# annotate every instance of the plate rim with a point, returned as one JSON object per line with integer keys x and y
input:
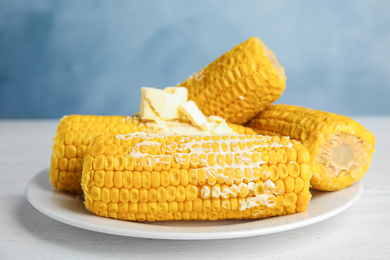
{"x": 161, "y": 233}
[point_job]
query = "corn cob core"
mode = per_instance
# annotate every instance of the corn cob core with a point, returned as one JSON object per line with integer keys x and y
{"x": 238, "y": 85}
{"x": 75, "y": 132}
{"x": 148, "y": 177}
{"x": 340, "y": 147}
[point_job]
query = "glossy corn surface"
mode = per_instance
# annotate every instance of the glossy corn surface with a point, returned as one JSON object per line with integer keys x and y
{"x": 340, "y": 147}
{"x": 148, "y": 177}
{"x": 74, "y": 134}
{"x": 238, "y": 85}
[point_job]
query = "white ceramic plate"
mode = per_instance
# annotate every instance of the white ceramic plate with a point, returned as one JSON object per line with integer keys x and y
{"x": 70, "y": 209}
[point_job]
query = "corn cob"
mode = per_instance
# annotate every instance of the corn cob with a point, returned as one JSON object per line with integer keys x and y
{"x": 146, "y": 177}
{"x": 75, "y": 132}
{"x": 341, "y": 149}
{"x": 238, "y": 85}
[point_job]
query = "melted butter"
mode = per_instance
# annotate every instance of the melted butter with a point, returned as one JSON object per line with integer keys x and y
{"x": 200, "y": 145}
{"x": 175, "y": 128}
{"x": 262, "y": 199}
{"x": 205, "y": 191}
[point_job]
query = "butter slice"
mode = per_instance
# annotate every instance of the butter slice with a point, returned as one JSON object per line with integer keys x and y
{"x": 217, "y": 128}
{"x": 157, "y": 104}
{"x": 192, "y": 112}
{"x": 222, "y": 128}
{"x": 211, "y": 124}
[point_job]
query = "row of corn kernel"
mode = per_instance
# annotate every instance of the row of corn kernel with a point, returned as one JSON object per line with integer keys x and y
{"x": 91, "y": 123}
{"x": 69, "y": 151}
{"x": 292, "y": 173}
{"x": 208, "y": 142}
{"x": 191, "y": 192}
{"x": 247, "y": 214}
{"x": 197, "y": 205}
{"x": 175, "y": 176}
{"x": 202, "y": 209}
{"x": 185, "y": 161}
{"x": 66, "y": 180}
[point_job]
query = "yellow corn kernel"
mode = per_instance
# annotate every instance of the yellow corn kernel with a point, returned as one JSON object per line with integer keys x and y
{"x": 174, "y": 176}
{"x": 152, "y": 194}
{"x": 143, "y": 195}
{"x": 283, "y": 171}
{"x": 106, "y": 195}
{"x": 133, "y": 207}
{"x": 206, "y": 205}
{"x": 162, "y": 207}
{"x": 197, "y": 205}
{"x": 191, "y": 192}
{"x": 129, "y": 163}
{"x": 134, "y": 195}
{"x": 138, "y": 164}
{"x": 280, "y": 188}
{"x": 184, "y": 177}
{"x": 215, "y": 205}
{"x": 152, "y": 207}
{"x": 171, "y": 193}
{"x": 123, "y": 208}
{"x": 95, "y": 193}
{"x": 188, "y": 206}
{"x": 161, "y": 194}
{"x": 99, "y": 206}
{"x": 114, "y": 194}
{"x": 124, "y": 195}
{"x": 173, "y": 207}
{"x": 127, "y": 179}
{"x": 211, "y": 177}
{"x": 289, "y": 184}
{"x": 273, "y": 157}
{"x": 146, "y": 179}
{"x": 180, "y": 193}
{"x": 274, "y": 173}
{"x": 118, "y": 179}
{"x": 165, "y": 181}
{"x": 109, "y": 163}
{"x": 243, "y": 191}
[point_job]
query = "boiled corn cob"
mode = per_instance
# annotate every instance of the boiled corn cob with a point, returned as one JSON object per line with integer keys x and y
{"x": 148, "y": 177}
{"x": 341, "y": 148}
{"x": 238, "y": 85}
{"x": 75, "y": 132}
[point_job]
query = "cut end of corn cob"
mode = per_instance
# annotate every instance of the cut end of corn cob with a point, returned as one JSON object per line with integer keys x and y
{"x": 340, "y": 147}
{"x": 75, "y": 132}
{"x": 238, "y": 85}
{"x": 149, "y": 177}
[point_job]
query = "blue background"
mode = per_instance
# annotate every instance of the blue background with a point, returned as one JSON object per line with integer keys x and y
{"x": 92, "y": 57}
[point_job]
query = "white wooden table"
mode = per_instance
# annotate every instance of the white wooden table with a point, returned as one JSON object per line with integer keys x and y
{"x": 360, "y": 232}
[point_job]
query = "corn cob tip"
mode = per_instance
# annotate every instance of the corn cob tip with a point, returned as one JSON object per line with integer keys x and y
{"x": 341, "y": 160}
{"x": 239, "y": 84}
{"x": 271, "y": 57}
{"x": 341, "y": 148}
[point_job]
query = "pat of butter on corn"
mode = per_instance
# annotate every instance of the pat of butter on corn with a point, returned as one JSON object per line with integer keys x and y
{"x": 172, "y": 103}
{"x": 192, "y": 112}
{"x": 157, "y": 104}
{"x": 211, "y": 124}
